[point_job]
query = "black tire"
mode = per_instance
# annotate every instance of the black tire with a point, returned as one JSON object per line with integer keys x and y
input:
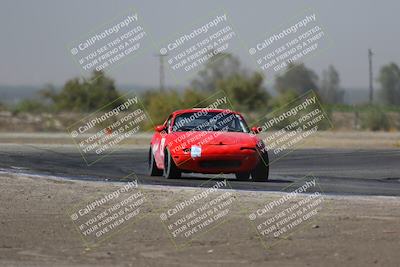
{"x": 242, "y": 176}
{"x": 170, "y": 169}
{"x": 261, "y": 171}
{"x": 152, "y": 166}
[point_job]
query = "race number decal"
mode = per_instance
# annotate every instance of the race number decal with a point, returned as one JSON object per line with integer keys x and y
{"x": 195, "y": 152}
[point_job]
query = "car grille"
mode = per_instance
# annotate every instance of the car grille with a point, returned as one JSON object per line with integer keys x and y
{"x": 219, "y": 163}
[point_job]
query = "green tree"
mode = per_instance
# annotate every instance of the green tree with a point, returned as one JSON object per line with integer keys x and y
{"x": 375, "y": 119}
{"x": 101, "y": 91}
{"x": 30, "y": 106}
{"x": 223, "y": 71}
{"x": 283, "y": 99}
{"x": 219, "y": 67}
{"x": 389, "y": 79}
{"x": 2, "y": 106}
{"x": 192, "y": 97}
{"x": 160, "y": 104}
{"x": 298, "y": 78}
{"x": 246, "y": 93}
{"x": 84, "y": 95}
{"x": 330, "y": 86}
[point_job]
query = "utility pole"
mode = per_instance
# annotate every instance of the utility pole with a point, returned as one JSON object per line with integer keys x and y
{"x": 162, "y": 74}
{"x": 371, "y": 88}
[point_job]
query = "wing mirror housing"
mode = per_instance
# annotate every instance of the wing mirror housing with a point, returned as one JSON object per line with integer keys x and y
{"x": 256, "y": 129}
{"x": 159, "y": 128}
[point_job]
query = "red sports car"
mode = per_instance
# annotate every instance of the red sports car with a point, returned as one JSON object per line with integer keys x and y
{"x": 207, "y": 141}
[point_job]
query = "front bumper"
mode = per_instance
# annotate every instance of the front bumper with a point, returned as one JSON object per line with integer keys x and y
{"x": 218, "y": 159}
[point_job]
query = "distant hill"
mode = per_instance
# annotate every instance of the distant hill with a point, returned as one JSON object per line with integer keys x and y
{"x": 360, "y": 96}
{"x": 13, "y": 94}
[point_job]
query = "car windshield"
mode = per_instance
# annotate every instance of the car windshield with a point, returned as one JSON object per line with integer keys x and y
{"x": 210, "y": 121}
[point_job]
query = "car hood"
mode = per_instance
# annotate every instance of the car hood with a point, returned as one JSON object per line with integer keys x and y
{"x": 213, "y": 138}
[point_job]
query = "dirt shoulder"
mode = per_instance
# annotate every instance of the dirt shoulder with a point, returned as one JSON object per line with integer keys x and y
{"x": 36, "y": 230}
{"x": 323, "y": 139}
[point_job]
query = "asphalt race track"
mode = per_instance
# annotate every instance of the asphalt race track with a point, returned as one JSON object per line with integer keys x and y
{"x": 344, "y": 172}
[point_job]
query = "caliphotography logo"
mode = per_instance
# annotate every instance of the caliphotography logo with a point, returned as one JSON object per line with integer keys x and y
{"x": 206, "y": 41}
{"x": 290, "y": 43}
{"x": 98, "y": 218}
{"x": 110, "y": 44}
{"x": 102, "y": 132}
{"x": 284, "y": 130}
{"x": 201, "y": 211}
{"x": 297, "y": 206}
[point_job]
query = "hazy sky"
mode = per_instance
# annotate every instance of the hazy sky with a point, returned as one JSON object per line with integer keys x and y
{"x": 35, "y": 35}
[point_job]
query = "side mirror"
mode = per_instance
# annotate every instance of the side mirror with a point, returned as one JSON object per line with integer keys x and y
{"x": 256, "y": 129}
{"x": 159, "y": 128}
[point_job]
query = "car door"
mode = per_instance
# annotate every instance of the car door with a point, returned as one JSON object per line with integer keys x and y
{"x": 159, "y": 143}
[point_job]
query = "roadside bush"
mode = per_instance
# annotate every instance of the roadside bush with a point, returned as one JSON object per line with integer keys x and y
{"x": 81, "y": 95}
{"x": 160, "y": 104}
{"x": 375, "y": 119}
{"x": 30, "y": 106}
{"x": 3, "y": 106}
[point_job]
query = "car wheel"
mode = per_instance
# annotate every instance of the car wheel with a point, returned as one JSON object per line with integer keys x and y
{"x": 170, "y": 169}
{"x": 242, "y": 176}
{"x": 261, "y": 171}
{"x": 152, "y": 166}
